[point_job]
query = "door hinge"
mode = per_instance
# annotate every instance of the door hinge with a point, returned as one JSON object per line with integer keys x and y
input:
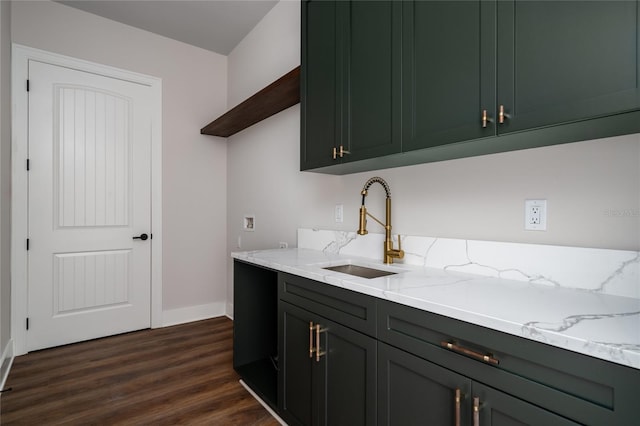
{"x": 28, "y": 165}
{"x": 27, "y": 244}
{"x": 27, "y": 323}
{"x": 27, "y": 85}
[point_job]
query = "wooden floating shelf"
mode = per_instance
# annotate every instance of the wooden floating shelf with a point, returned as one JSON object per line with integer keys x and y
{"x": 278, "y": 96}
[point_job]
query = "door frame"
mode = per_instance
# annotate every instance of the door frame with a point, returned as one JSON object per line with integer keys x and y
{"x": 21, "y": 55}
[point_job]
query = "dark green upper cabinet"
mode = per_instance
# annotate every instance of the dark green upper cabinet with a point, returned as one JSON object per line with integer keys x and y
{"x": 371, "y": 78}
{"x": 320, "y": 109}
{"x": 563, "y": 61}
{"x": 448, "y": 71}
{"x": 395, "y": 83}
{"x": 350, "y": 86}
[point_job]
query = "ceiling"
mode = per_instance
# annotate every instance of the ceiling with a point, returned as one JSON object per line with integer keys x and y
{"x": 215, "y": 25}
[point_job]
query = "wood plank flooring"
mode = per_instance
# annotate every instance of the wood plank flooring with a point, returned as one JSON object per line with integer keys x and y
{"x": 179, "y": 375}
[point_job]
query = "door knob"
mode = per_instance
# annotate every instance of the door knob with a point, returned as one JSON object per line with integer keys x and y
{"x": 142, "y": 237}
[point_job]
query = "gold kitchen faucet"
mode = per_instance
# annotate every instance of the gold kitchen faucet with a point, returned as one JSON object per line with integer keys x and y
{"x": 389, "y": 252}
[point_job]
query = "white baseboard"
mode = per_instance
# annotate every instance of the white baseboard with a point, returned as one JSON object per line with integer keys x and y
{"x": 192, "y": 313}
{"x": 5, "y": 363}
{"x": 230, "y": 310}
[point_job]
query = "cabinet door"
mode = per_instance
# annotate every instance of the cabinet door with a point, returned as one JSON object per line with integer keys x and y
{"x": 370, "y": 42}
{"x": 296, "y": 400}
{"x": 412, "y": 391}
{"x": 499, "y": 409}
{"x": 336, "y": 388}
{"x": 347, "y": 376}
{"x": 448, "y": 71}
{"x": 319, "y": 106}
{"x": 565, "y": 61}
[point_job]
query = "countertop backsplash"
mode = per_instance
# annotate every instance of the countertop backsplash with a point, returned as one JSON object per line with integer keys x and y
{"x": 613, "y": 272}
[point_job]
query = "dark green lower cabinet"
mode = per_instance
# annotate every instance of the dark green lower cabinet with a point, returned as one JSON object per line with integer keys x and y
{"x": 336, "y": 387}
{"x": 255, "y": 328}
{"x": 331, "y": 356}
{"x": 296, "y": 366}
{"x": 497, "y": 408}
{"x": 414, "y": 391}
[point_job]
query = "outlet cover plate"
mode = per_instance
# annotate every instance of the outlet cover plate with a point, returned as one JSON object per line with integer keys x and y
{"x": 535, "y": 215}
{"x": 339, "y": 213}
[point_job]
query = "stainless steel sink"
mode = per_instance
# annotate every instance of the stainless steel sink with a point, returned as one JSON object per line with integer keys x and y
{"x": 360, "y": 271}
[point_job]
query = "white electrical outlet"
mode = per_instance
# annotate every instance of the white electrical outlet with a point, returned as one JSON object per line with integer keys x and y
{"x": 535, "y": 215}
{"x": 283, "y": 244}
{"x": 339, "y": 213}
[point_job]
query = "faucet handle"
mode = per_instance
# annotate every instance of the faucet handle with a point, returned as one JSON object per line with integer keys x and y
{"x": 399, "y": 243}
{"x": 362, "y": 229}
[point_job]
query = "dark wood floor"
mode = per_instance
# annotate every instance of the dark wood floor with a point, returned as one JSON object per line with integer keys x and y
{"x": 179, "y": 375}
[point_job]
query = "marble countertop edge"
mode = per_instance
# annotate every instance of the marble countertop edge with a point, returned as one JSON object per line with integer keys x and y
{"x": 437, "y": 291}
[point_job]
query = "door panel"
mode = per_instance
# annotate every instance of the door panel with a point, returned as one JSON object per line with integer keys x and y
{"x": 90, "y": 280}
{"x": 93, "y": 149}
{"x": 89, "y": 194}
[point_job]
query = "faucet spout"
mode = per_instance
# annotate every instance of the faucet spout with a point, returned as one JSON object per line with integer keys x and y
{"x": 389, "y": 252}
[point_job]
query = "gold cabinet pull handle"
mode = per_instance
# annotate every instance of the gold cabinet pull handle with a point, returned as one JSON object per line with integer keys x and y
{"x": 485, "y": 118}
{"x": 502, "y": 115}
{"x": 335, "y": 152}
{"x": 476, "y": 411}
{"x": 343, "y": 151}
{"x": 319, "y": 353}
{"x": 311, "y": 349}
{"x": 457, "y": 414}
{"x": 488, "y": 358}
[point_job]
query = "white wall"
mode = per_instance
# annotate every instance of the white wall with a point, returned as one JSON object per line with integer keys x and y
{"x": 262, "y": 160}
{"x": 194, "y": 166}
{"x": 5, "y": 174}
{"x": 592, "y": 187}
{"x": 586, "y": 184}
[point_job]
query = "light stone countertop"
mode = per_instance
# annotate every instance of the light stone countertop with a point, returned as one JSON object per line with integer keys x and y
{"x": 599, "y": 325}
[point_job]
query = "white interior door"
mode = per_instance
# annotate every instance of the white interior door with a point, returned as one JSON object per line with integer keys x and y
{"x": 89, "y": 195}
